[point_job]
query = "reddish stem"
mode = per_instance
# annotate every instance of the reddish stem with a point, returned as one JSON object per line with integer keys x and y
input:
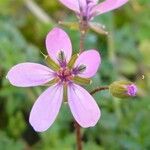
{"x": 78, "y": 136}
{"x": 99, "y": 89}
{"x": 83, "y": 30}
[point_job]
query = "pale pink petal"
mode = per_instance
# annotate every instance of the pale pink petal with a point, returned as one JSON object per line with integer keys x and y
{"x": 83, "y": 106}
{"x": 108, "y": 5}
{"x": 82, "y": 4}
{"x": 57, "y": 40}
{"x": 91, "y": 59}
{"x": 85, "y": 3}
{"x": 29, "y": 74}
{"x": 46, "y": 108}
{"x": 71, "y": 4}
{"x": 77, "y": 5}
{"x": 95, "y": 1}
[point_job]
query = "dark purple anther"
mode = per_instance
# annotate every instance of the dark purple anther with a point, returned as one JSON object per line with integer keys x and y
{"x": 62, "y": 59}
{"x": 79, "y": 69}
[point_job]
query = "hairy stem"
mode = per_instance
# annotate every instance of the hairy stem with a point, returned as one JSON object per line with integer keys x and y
{"x": 77, "y": 126}
{"x": 78, "y": 136}
{"x": 83, "y": 30}
{"x": 99, "y": 89}
{"x": 82, "y": 37}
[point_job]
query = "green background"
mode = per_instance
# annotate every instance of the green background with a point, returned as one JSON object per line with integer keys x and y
{"x": 125, "y": 52}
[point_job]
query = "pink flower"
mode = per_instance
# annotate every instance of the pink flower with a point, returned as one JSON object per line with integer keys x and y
{"x": 87, "y": 9}
{"x": 45, "y": 110}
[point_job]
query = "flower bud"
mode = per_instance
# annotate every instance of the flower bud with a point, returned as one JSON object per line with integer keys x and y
{"x": 123, "y": 89}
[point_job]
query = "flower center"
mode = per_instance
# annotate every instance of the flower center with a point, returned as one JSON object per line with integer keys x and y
{"x": 86, "y": 11}
{"x": 65, "y": 75}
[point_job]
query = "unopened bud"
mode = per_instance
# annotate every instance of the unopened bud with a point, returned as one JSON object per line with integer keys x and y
{"x": 123, "y": 89}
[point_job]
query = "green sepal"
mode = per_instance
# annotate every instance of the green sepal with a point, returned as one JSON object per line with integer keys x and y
{"x": 52, "y": 82}
{"x": 118, "y": 89}
{"x": 98, "y": 28}
{"x": 82, "y": 81}
{"x": 65, "y": 93}
{"x": 72, "y": 61}
{"x": 70, "y": 25}
{"x": 52, "y": 64}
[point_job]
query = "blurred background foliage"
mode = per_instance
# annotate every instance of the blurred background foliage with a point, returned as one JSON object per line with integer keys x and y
{"x": 125, "y": 52}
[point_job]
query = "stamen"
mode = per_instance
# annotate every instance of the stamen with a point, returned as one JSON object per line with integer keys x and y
{"x": 62, "y": 59}
{"x": 79, "y": 69}
{"x": 61, "y": 56}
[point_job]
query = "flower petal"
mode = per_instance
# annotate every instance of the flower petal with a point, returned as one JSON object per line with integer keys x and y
{"x": 83, "y": 106}
{"x": 57, "y": 40}
{"x": 46, "y": 108}
{"x": 29, "y": 74}
{"x": 71, "y": 4}
{"x": 82, "y": 4}
{"x": 91, "y": 59}
{"x": 108, "y": 5}
{"x": 77, "y": 5}
{"x": 86, "y": 3}
{"x": 95, "y": 1}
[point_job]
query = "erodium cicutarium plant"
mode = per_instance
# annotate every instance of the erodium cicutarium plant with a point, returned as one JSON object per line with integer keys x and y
{"x": 66, "y": 73}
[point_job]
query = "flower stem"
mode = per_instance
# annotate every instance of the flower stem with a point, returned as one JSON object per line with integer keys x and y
{"x": 83, "y": 26}
{"x": 99, "y": 89}
{"x": 82, "y": 37}
{"x": 78, "y": 136}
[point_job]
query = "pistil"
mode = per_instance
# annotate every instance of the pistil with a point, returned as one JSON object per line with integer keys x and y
{"x": 65, "y": 75}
